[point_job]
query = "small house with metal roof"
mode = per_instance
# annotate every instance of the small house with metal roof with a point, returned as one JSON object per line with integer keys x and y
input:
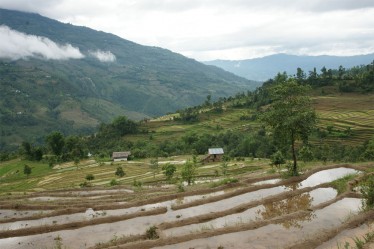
{"x": 214, "y": 155}
{"x": 121, "y": 156}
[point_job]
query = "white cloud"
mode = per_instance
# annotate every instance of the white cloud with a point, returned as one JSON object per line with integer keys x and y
{"x": 16, "y": 45}
{"x": 220, "y": 29}
{"x": 103, "y": 56}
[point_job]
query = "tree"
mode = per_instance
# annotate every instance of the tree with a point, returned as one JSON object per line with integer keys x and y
{"x": 119, "y": 172}
{"x": 154, "y": 166}
{"x": 224, "y": 167}
{"x": 122, "y": 126}
{"x": 300, "y": 75}
{"x": 56, "y": 142}
{"x": 169, "y": 170}
{"x": 290, "y": 115}
{"x": 189, "y": 172}
{"x": 38, "y": 154}
{"x": 26, "y": 149}
{"x": 30, "y": 152}
{"x": 324, "y": 72}
{"x": 341, "y": 72}
{"x": 27, "y": 170}
{"x": 73, "y": 148}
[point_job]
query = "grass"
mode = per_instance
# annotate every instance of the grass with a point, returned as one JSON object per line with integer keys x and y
{"x": 341, "y": 184}
{"x": 67, "y": 175}
{"x": 223, "y": 182}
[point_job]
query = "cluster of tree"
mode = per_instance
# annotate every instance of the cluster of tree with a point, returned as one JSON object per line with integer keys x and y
{"x": 57, "y": 147}
{"x": 356, "y": 79}
{"x": 31, "y": 152}
{"x": 119, "y": 127}
{"x": 335, "y": 152}
{"x": 107, "y": 137}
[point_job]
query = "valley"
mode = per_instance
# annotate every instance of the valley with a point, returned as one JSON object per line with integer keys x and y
{"x": 107, "y": 143}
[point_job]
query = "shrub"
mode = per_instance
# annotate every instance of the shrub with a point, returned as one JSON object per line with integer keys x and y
{"x": 180, "y": 187}
{"x": 90, "y": 177}
{"x": 151, "y": 233}
{"x": 113, "y": 182}
{"x": 119, "y": 172}
{"x": 27, "y": 170}
{"x": 137, "y": 183}
{"x": 85, "y": 184}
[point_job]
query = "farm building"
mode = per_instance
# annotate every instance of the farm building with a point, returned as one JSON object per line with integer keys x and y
{"x": 214, "y": 155}
{"x": 121, "y": 156}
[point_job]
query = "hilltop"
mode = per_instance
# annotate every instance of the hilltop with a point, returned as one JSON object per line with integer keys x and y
{"x": 107, "y": 77}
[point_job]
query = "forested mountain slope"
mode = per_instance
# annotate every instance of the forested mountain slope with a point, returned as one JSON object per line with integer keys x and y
{"x": 80, "y": 77}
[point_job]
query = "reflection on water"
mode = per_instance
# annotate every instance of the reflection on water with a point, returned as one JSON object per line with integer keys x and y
{"x": 287, "y": 206}
{"x": 292, "y": 204}
{"x": 271, "y": 181}
{"x": 276, "y": 235}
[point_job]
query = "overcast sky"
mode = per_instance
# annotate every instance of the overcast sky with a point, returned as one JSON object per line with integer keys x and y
{"x": 223, "y": 29}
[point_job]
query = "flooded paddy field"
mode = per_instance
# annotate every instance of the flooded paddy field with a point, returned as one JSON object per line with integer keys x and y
{"x": 265, "y": 213}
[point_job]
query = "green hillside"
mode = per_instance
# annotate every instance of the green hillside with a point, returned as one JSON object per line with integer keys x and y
{"x": 77, "y": 94}
{"x": 345, "y": 123}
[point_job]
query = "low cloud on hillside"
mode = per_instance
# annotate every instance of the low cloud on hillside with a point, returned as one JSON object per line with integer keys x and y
{"x": 103, "y": 56}
{"x": 16, "y": 45}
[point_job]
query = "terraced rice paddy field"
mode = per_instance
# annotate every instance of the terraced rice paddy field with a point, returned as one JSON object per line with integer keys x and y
{"x": 259, "y": 211}
{"x": 347, "y": 111}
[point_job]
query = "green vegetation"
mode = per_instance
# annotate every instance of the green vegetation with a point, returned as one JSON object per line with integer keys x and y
{"x": 359, "y": 243}
{"x": 224, "y": 167}
{"x": 113, "y": 182}
{"x": 27, "y": 170}
{"x": 278, "y": 159}
{"x": 367, "y": 191}
{"x": 151, "y": 233}
{"x": 342, "y": 100}
{"x": 119, "y": 172}
{"x": 341, "y": 184}
{"x": 189, "y": 172}
{"x": 90, "y": 177}
{"x": 153, "y": 165}
{"x": 169, "y": 170}
{"x": 223, "y": 182}
{"x": 75, "y": 96}
{"x": 235, "y": 127}
{"x": 290, "y": 115}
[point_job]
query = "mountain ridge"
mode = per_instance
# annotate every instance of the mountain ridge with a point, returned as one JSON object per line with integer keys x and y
{"x": 266, "y": 67}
